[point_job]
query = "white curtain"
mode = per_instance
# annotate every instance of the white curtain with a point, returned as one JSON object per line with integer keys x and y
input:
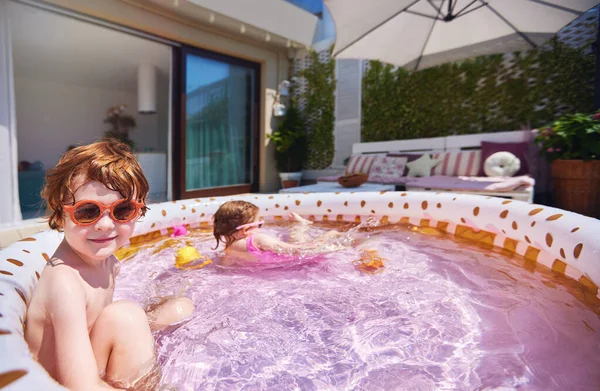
{"x": 10, "y": 211}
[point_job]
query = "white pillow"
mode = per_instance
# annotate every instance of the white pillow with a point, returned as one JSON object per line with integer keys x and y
{"x": 422, "y": 166}
{"x": 501, "y": 164}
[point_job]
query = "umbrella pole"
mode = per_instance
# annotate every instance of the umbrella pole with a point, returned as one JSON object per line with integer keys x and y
{"x": 597, "y": 78}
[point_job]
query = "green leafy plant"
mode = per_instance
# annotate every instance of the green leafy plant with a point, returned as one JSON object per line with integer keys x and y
{"x": 572, "y": 136}
{"x": 319, "y": 111}
{"x": 290, "y": 141}
{"x": 120, "y": 125}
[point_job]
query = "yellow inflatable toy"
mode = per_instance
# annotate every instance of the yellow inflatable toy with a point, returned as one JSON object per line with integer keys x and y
{"x": 189, "y": 258}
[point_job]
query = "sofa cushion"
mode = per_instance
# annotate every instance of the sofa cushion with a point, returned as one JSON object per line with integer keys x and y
{"x": 410, "y": 157}
{"x": 360, "y": 164}
{"x": 458, "y": 163}
{"x": 520, "y": 150}
{"x": 386, "y": 169}
{"x": 422, "y": 166}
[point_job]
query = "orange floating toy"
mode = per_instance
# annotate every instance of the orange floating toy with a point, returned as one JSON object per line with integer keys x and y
{"x": 370, "y": 262}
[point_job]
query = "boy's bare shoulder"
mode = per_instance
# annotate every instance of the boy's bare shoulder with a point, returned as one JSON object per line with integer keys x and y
{"x": 59, "y": 278}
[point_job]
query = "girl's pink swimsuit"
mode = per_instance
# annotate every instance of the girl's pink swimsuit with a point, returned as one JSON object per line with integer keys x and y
{"x": 271, "y": 257}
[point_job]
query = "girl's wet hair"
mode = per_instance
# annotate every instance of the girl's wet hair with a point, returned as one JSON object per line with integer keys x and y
{"x": 109, "y": 162}
{"x": 231, "y": 215}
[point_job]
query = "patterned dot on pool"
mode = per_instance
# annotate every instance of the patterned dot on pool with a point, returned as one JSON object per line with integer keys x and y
{"x": 15, "y": 262}
{"x": 424, "y": 205}
{"x": 164, "y": 212}
{"x": 363, "y": 203}
{"x": 575, "y": 229}
{"x": 476, "y": 211}
{"x": 391, "y": 205}
{"x": 504, "y": 213}
{"x": 439, "y": 205}
{"x": 319, "y": 203}
{"x": 562, "y": 253}
{"x": 297, "y": 202}
{"x": 7, "y": 378}
{"x": 515, "y": 226}
{"x": 527, "y": 239}
{"x": 183, "y": 207}
{"x": 406, "y": 205}
{"x": 577, "y": 250}
{"x": 535, "y": 211}
{"x": 549, "y": 240}
{"x": 554, "y": 217}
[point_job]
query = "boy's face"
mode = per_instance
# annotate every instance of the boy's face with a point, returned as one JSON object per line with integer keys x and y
{"x": 95, "y": 242}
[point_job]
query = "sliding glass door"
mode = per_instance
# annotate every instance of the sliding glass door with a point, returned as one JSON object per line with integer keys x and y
{"x": 219, "y": 125}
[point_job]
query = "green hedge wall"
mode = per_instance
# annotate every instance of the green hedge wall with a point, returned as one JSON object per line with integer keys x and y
{"x": 485, "y": 94}
{"x": 319, "y": 111}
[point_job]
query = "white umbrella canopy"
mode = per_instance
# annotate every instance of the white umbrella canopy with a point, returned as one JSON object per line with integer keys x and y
{"x": 418, "y": 34}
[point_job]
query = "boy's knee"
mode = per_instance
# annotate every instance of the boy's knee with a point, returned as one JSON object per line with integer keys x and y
{"x": 125, "y": 313}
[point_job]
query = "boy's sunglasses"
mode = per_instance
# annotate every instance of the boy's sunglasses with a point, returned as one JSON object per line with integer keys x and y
{"x": 258, "y": 224}
{"x": 87, "y": 212}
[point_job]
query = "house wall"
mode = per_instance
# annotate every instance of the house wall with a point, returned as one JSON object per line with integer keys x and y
{"x": 176, "y": 28}
{"x": 52, "y": 116}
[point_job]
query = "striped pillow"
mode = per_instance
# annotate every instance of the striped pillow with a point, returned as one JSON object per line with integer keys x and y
{"x": 458, "y": 163}
{"x": 360, "y": 164}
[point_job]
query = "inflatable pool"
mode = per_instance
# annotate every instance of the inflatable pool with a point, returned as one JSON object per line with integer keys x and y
{"x": 566, "y": 243}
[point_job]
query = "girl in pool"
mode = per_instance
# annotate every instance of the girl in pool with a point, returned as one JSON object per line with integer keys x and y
{"x": 237, "y": 224}
{"x": 80, "y": 336}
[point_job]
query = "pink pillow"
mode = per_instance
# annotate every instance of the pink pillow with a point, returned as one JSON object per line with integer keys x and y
{"x": 411, "y": 157}
{"x": 386, "y": 169}
{"x": 520, "y": 150}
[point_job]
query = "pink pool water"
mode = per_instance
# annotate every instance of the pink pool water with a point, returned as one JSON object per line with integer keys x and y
{"x": 440, "y": 316}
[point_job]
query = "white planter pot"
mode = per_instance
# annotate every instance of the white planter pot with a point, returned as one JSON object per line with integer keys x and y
{"x": 290, "y": 179}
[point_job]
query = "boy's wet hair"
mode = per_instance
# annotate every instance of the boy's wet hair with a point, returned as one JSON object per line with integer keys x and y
{"x": 109, "y": 162}
{"x": 231, "y": 215}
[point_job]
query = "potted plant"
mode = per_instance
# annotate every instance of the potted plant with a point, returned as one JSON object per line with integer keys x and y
{"x": 290, "y": 147}
{"x": 120, "y": 125}
{"x": 572, "y": 145}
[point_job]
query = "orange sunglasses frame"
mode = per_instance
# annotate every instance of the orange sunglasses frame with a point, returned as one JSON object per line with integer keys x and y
{"x": 70, "y": 209}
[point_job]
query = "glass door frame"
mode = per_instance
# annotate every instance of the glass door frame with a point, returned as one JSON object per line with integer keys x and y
{"x": 180, "y": 123}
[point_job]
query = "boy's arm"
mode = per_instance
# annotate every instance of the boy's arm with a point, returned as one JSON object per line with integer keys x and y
{"x": 76, "y": 366}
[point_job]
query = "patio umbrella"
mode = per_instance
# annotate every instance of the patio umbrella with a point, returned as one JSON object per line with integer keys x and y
{"x": 417, "y": 34}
